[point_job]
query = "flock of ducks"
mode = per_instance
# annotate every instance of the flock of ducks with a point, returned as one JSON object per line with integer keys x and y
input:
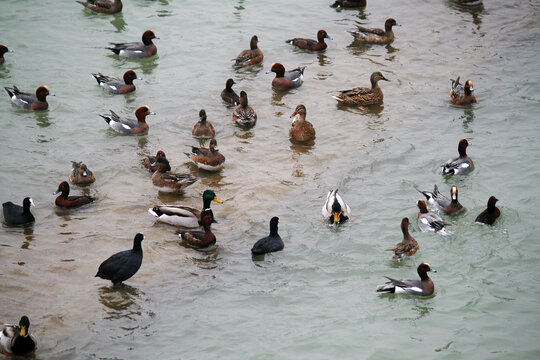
{"x": 123, "y": 265}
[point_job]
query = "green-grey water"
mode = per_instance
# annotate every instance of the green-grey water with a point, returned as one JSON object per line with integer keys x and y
{"x": 316, "y": 299}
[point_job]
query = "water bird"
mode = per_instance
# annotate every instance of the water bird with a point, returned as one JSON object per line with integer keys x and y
{"x": 462, "y": 95}
{"x": 335, "y": 209}
{"x": 428, "y": 221}
{"x": 167, "y": 181}
{"x": 422, "y": 287}
{"x": 374, "y": 35}
{"x": 408, "y": 246}
{"x": 460, "y": 165}
{"x": 286, "y": 80}
{"x": 362, "y": 96}
{"x": 269, "y": 243}
{"x": 149, "y": 160}
{"x": 228, "y": 94}
{"x": 80, "y": 174}
{"x": 103, "y": 6}
{"x": 450, "y": 206}
{"x": 37, "y": 101}
{"x": 4, "y": 49}
{"x": 244, "y": 115}
{"x": 349, "y": 4}
{"x": 17, "y": 340}
{"x": 199, "y": 239}
{"x": 65, "y": 201}
{"x": 124, "y": 264}
{"x": 310, "y": 44}
{"x": 18, "y": 215}
{"x": 115, "y": 85}
{"x": 301, "y": 130}
{"x": 129, "y": 125}
{"x": 490, "y": 214}
{"x": 137, "y": 49}
{"x": 203, "y": 129}
{"x": 207, "y": 159}
{"x": 251, "y": 56}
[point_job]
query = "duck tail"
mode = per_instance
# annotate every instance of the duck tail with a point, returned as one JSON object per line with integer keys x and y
{"x": 10, "y": 91}
{"x": 97, "y": 76}
{"x": 114, "y": 50}
{"x": 107, "y": 118}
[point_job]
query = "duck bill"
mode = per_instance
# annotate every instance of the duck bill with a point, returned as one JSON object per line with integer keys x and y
{"x": 432, "y": 270}
{"x": 328, "y": 37}
{"x": 23, "y": 331}
{"x": 57, "y": 192}
{"x": 216, "y": 199}
{"x": 152, "y": 113}
{"x": 336, "y": 218}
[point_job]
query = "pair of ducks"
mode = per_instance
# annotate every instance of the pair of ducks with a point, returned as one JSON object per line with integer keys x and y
{"x": 243, "y": 114}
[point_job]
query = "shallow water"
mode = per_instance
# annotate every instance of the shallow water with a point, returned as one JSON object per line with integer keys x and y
{"x": 317, "y": 298}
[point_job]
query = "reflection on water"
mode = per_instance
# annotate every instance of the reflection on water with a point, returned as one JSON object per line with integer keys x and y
{"x": 358, "y": 48}
{"x": 28, "y": 235}
{"x": 239, "y": 8}
{"x": 169, "y": 197}
{"x": 208, "y": 258}
{"x": 245, "y": 135}
{"x": 468, "y": 118}
{"x": 142, "y": 141}
{"x": 323, "y": 59}
{"x": 118, "y": 22}
{"x": 249, "y": 72}
{"x": 277, "y": 97}
{"x": 42, "y": 118}
{"x": 475, "y": 8}
{"x": 148, "y": 65}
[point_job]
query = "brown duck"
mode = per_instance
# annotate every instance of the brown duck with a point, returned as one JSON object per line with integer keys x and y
{"x": 65, "y": 201}
{"x": 199, "y": 239}
{"x": 203, "y": 129}
{"x": 301, "y": 130}
{"x": 251, "y": 56}
{"x": 408, "y": 246}
{"x": 80, "y": 175}
{"x": 376, "y": 36}
{"x": 207, "y": 159}
{"x": 244, "y": 114}
{"x": 103, "y": 6}
{"x": 363, "y": 96}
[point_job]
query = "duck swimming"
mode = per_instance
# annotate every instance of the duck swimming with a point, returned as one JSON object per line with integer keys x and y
{"x": 422, "y": 287}
{"x": 335, "y": 209}
{"x": 37, "y": 101}
{"x": 408, "y": 246}
{"x": 17, "y": 340}
{"x": 65, "y": 201}
{"x": 286, "y": 80}
{"x": 244, "y": 115}
{"x": 489, "y": 215}
{"x": 363, "y": 96}
{"x": 168, "y": 181}
{"x": 251, "y": 56}
{"x": 228, "y": 94}
{"x": 270, "y": 243}
{"x": 301, "y": 130}
{"x": 376, "y": 36}
{"x": 207, "y": 159}
{"x": 199, "y": 239}
{"x": 310, "y": 44}
{"x": 349, "y": 4}
{"x": 18, "y": 215}
{"x": 116, "y": 85}
{"x": 124, "y": 264}
{"x": 3, "y": 49}
{"x": 80, "y": 175}
{"x": 137, "y": 49}
{"x": 203, "y": 129}
{"x": 428, "y": 221}
{"x": 462, "y": 95}
{"x": 128, "y": 125}
{"x": 103, "y": 6}
{"x": 149, "y": 160}
{"x": 460, "y": 165}
{"x": 441, "y": 202}
{"x": 185, "y": 216}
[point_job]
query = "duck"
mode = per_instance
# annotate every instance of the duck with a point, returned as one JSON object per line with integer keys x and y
{"x": 127, "y": 125}
{"x": 80, "y": 174}
{"x": 244, "y": 115}
{"x": 349, "y": 4}
{"x": 335, "y": 209}
{"x": 199, "y": 239}
{"x": 422, "y": 287}
{"x": 65, "y": 201}
{"x": 124, "y": 264}
{"x": 207, "y": 159}
{"x": 364, "y": 96}
{"x": 203, "y": 129}
{"x": 149, "y": 160}
{"x": 18, "y": 215}
{"x": 428, "y": 221}
{"x": 376, "y": 36}
{"x": 490, "y": 214}
{"x": 4, "y": 49}
{"x": 17, "y": 340}
{"x": 167, "y": 181}
{"x": 116, "y": 85}
{"x": 228, "y": 94}
{"x": 136, "y": 49}
{"x": 301, "y": 130}
{"x": 185, "y": 216}
{"x": 251, "y": 56}
{"x": 310, "y": 44}
{"x": 37, "y": 101}
{"x": 286, "y": 80}
{"x": 103, "y": 6}
{"x": 460, "y": 165}
{"x": 408, "y": 246}
{"x": 442, "y": 203}
{"x": 462, "y": 95}
{"x": 269, "y": 243}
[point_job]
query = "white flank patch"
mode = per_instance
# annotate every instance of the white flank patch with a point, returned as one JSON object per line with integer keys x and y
{"x": 126, "y": 126}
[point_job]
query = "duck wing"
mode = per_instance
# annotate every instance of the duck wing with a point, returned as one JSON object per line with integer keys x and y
{"x": 375, "y": 31}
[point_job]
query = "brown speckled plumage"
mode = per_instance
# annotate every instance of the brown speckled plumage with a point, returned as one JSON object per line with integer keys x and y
{"x": 363, "y": 96}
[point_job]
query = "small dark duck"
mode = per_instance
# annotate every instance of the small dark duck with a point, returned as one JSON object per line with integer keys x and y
{"x": 376, "y": 36}
{"x": 199, "y": 239}
{"x": 124, "y": 264}
{"x": 116, "y": 85}
{"x": 349, "y": 4}
{"x": 310, "y": 44}
{"x": 270, "y": 243}
{"x": 422, "y": 287}
{"x": 228, "y": 94}
{"x": 137, "y": 49}
{"x": 491, "y": 214}
{"x": 80, "y": 175}
{"x": 4, "y": 49}
{"x": 128, "y": 125}
{"x": 18, "y": 215}
{"x": 363, "y": 96}
{"x": 251, "y": 56}
{"x": 301, "y": 130}
{"x": 69, "y": 202}
{"x": 149, "y": 160}
{"x": 460, "y": 165}
{"x": 167, "y": 181}
{"x": 203, "y": 129}
{"x": 244, "y": 115}
{"x": 408, "y": 246}
{"x": 462, "y": 95}
{"x": 37, "y": 101}
{"x": 103, "y": 6}
{"x": 17, "y": 340}
{"x": 207, "y": 159}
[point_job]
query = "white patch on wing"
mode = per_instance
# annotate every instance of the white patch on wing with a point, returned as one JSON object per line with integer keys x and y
{"x": 126, "y": 126}
{"x": 112, "y": 87}
{"x": 464, "y": 165}
{"x": 424, "y": 221}
{"x": 24, "y": 101}
{"x": 416, "y": 289}
{"x": 399, "y": 290}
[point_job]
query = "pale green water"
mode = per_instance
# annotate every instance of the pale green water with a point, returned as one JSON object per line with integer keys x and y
{"x": 317, "y": 298}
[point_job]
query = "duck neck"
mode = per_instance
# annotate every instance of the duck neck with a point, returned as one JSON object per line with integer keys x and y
{"x": 423, "y": 275}
{"x": 206, "y": 203}
{"x": 137, "y": 246}
{"x": 405, "y": 231}
{"x": 273, "y": 230}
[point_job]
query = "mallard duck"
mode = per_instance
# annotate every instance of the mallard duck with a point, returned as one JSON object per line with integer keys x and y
{"x": 199, "y": 239}
{"x": 37, "y": 101}
{"x": 428, "y": 221}
{"x": 244, "y": 114}
{"x": 80, "y": 175}
{"x": 116, "y": 85}
{"x": 349, "y": 4}
{"x": 363, "y": 96}
{"x": 137, "y": 49}
{"x": 65, "y": 201}
{"x": 128, "y": 125}
{"x": 3, "y": 49}
{"x": 168, "y": 181}
{"x": 335, "y": 209}
{"x": 17, "y": 340}
{"x": 408, "y": 246}
{"x": 489, "y": 215}
{"x": 103, "y": 6}
{"x": 376, "y": 36}
{"x": 251, "y": 56}
{"x": 310, "y": 44}
{"x": 270, "y": 243}
{"x": 124, "y": 264}
{"x": 286, "y": 80}
{"x": 460, "y": 165}
{"x": 228, "y": 94}
{"x": 149, "y": 160}
{"x": 422, "y": 287}
{"x": 207, "y": 159}
{"x": 185, "y": 216}
{"x": 203, "y": 129}
{"x": 462, "y": 95}
{"x": 18, "y": 215}
{"x": 301, "y": 130}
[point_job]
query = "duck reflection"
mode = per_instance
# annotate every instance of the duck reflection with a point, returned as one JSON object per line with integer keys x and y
{"x": 473, "y": 7}
{"x": 206, "y": 259}
{"x": 149, "y": 64}
{"x": 120, "y": 300}
{"x": 142, "y": 142}
{"x": 42, "y": 118}
{"x": 324, "y": 60}
{"x": 28, "y": 236}
{"x": 118, "y": 22}
{"x": 468, "y": 118}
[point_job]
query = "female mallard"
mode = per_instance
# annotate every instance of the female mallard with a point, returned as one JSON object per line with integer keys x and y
{"x": 17, "y": 340}
{"x": 149, "y": 160}
{"x": 301, "y": 130}
{"x": 376, "y": 36}
{"x": 251, "y": 56}
{"x": 428, "y": 221}
{"x": 335, "y": 209}
{"x": 203, "y": 129}
{"x": 207, "y": 159}
{"x": 363, "y": 96}
{"x": 185, "y": 216}
{"x": 422, "y": 287}
{"x": 286, "y": 80}
{"x": 128, "y": 125}
{"x": 460, "y": 165}
{"x": 18, "y": 215}
{"x": 228, "y": 94}
{"x": 244, "y": 114}
{"x": 199, "y": 239}
{"x": 310, "y": 44}
{"x": 408, "y": 246}
{"x": 168, "y": 181}
{"x": 103, "y": 6}
{"x": 80, "y": 175}
{"x": 116, "y": 85}
{"x": 65, "y": 201}
{"x": 490, "y": 214}
{"x": 462, "y": 95}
